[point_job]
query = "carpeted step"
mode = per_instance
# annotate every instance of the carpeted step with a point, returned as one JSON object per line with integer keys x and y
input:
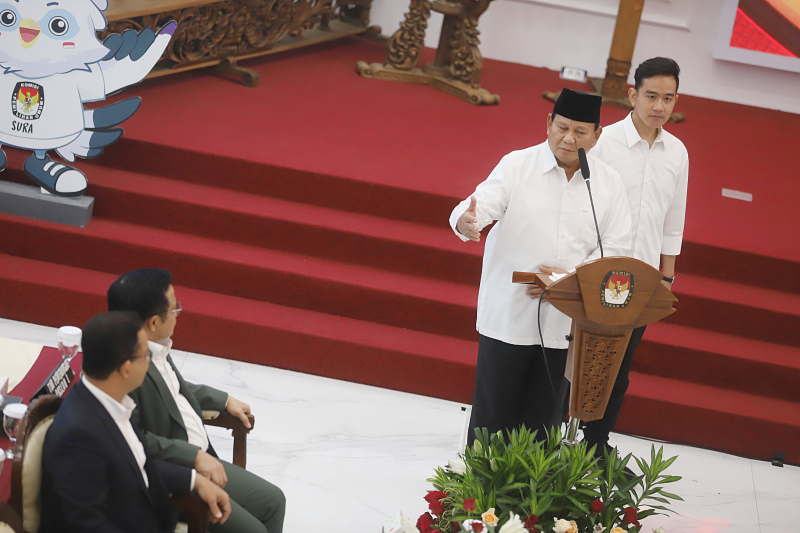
{"x": 350, "y": 195}
{"x": 353, "y": 291}
{"x": 320, "y": 344}
{"x": 255, "y": 220}
{"x": 285, "y": 183}
{"x": 736, "y": 309}
{"x": 710, "y": 417}
{"x": 720, "y": 360}
{"x": 238, "y": 270}
{"x": 257, "y": 332}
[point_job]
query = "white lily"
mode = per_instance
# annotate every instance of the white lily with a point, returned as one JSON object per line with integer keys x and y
{"x": 458, "y": 466}
{"x": 513, "y": 525}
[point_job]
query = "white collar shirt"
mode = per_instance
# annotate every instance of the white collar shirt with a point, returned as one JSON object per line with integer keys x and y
{"x": 543, "y": 219}
{"x": 121, "y": 415}
{"x": 656, "y": 180}
{"x": 195, "y": 431}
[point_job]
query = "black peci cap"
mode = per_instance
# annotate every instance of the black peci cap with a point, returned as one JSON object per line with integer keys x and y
{"x": 579, "y": 106}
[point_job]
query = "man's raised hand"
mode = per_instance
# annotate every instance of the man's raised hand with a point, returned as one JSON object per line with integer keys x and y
{"x": 467, "y": 224}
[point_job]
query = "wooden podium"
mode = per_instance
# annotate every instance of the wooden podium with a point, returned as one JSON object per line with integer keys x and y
{"x": 606, "y": 299}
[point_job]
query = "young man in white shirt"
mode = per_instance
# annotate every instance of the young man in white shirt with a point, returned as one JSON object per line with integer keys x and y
{"x": 545, "y": 223}
{"x": 96, "y": 473}
{"x": 654, "y": 167}
{"x": 170, "y": 409}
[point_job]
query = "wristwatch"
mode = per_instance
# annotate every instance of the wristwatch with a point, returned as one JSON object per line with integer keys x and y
{"x": 669, "y": 279}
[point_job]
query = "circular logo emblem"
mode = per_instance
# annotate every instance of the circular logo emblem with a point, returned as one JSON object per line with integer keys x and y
{"x": 617, "y": 289}
{"x": 27, "y": 100}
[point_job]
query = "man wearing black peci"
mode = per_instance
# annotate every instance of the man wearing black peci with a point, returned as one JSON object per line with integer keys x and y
{"x": 544, "y": 223}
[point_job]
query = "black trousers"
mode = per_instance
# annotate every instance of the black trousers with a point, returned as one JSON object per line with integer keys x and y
{"x": 512, "y": 387}
{"x": 596, "y": 432}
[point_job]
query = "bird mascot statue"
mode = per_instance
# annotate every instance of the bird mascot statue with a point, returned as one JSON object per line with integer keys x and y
{"x": 52, "y": 62}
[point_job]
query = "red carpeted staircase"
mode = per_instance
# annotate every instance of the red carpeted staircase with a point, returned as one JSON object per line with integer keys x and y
{"x": 362, "y": 280}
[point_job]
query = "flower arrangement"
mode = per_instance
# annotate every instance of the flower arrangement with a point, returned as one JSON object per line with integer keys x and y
{"x": 521, "y": 485}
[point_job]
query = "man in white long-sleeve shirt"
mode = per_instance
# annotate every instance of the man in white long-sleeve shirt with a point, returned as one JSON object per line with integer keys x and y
{"x": 545, "y": 223}
{"x": 654, "y": 166}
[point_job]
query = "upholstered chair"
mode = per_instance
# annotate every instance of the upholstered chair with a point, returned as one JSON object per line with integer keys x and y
{"x": 26, "y": 473}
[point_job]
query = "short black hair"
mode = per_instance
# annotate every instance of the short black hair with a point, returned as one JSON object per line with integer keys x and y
{"x": 656, "y": 66}
{"x": 142, "y": 291}
{"x": 109, "y": 339}
{"x": 553, "y": 116}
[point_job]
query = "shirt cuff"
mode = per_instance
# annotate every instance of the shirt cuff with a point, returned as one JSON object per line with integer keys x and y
{"x": 194, "y": 477}
{"x": 671, "y": 245}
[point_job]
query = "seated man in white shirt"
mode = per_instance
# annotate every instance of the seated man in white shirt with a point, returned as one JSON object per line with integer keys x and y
{"x": 170, "y": 409}
{"x": 96, "y": 474}
{"x": 545, "y": 223}
{"x": 654, "y": 166}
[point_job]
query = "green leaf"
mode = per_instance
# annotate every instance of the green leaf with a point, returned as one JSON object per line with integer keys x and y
{"x": 666, "y": 464}
{"x": 583, "y": 508}
{"x": 670, "y": 495}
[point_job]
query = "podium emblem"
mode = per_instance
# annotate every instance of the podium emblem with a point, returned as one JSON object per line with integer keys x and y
{"x": 617, "y": 289}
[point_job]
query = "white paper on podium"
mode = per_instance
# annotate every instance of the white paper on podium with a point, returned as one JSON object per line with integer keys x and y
{"x": 16, "y": 359}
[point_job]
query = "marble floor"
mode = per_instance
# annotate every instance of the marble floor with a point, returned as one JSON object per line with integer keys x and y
{"x": 348, "y": 456}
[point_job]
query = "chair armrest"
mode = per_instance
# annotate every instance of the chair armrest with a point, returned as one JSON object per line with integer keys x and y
{"x": 228, "y": 421}
{"x": 10, "y": 519}
{"x": 195, "y": 511}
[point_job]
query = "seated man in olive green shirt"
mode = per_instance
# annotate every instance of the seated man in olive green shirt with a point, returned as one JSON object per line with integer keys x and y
{"x": 170, "y": 409}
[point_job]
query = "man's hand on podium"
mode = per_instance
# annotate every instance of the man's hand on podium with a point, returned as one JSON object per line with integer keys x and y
{"x": 467, "y": 224}
{"x": 533, "y": 290}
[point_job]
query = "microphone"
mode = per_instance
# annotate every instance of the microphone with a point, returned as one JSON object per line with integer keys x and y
{"x": 585, "y": 174}
{"x": 584, "y": 165}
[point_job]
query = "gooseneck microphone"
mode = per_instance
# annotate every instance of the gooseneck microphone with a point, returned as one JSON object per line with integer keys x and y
{"x": 585, "y": 174}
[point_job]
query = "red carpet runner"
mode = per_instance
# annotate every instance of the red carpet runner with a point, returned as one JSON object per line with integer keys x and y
{"x": 305, "y": 222}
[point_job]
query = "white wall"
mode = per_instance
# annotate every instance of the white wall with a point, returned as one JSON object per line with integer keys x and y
{"x": 577, "y": 33}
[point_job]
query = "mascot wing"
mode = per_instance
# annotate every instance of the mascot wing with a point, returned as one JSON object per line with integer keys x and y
{"x": 132, "y": 56}
{"x": 99, "y": 130}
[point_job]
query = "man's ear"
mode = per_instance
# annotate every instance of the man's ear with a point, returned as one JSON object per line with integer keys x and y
{"x": 597, "y": 133}
{"x": 152, "y": 323}
{"x": 549, "y": 121}
{"x": 125, "y": 369}
{"x": 632, "y": 96}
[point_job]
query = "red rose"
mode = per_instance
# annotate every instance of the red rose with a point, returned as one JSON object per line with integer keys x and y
{"x": 435, "y": 496}
{"x": 437, "y": 508}
{"x": 424, "y": 523}
{"x": 469, "y": 504}
{"x": 455, "y": 526}
{"x": 477, "y": 527}
{"x": 597, "y": 506}
{"x": 530, "y": 523}
{"x": 631, "y": 516}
